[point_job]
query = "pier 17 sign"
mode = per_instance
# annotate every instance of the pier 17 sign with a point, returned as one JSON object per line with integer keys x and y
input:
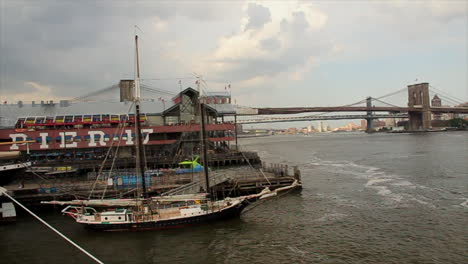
{"x": 48, "y": 139}
{"x": 81, "y": 138}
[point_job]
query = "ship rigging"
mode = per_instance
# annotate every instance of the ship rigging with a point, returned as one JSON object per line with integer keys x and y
{"x": 159, "y": 212}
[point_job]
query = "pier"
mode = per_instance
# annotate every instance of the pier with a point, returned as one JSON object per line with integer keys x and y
{"x": 233, "y": 181}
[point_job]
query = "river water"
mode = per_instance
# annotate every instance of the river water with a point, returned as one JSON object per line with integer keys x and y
{"x": 379, "y": 198}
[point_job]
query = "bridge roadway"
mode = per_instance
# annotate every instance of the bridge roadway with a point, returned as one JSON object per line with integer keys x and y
{"x": 312, "y": 118}
{"x": 297, "y": 110}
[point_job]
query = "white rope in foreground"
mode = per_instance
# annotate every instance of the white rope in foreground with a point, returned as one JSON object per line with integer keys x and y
{"x": 4, "y": 192}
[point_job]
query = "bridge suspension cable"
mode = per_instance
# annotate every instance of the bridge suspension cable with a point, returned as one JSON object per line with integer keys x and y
{"x": 446, "y": 95}
{"x": 390, "y": 94}
{"x": 447, "y": 99}
{"x": 93, "y": 94}
{"x": 166, "y": 79}
{"x": 324, "y": 113}
{"x": 157, "y": 90}
{"x": 383, "y": 102}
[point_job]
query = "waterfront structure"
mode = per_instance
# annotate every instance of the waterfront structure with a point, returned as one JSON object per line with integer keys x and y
{"x": 291, "y": 131}
{"x": 390, "y": 122}
{"x": 159, "y": 212}
{"x": 320, "y": 127}
{"x": 171, "y": 131}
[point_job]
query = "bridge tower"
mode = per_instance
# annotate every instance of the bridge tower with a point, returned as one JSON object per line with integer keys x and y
{"x": 418, "y": 98}
{"x": 369, "y": 119}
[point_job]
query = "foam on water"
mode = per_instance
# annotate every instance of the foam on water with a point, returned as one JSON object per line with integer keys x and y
{"x": 464, "y": 203}
{"x": 393, "y": 188}
{"x": 396, "y": 190}
{"x": 331, "y": 217}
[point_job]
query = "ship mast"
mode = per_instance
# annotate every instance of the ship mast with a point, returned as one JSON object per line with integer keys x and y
{"x": 140, "y": 162}
{"x": 204, "y": 145}
{"x": 201, "y": 108}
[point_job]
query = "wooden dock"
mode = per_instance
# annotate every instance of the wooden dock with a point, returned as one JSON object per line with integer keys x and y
{"x": 233, "y": 181}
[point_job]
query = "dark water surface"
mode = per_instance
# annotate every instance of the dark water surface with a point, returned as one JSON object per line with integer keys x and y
{"x": 378, "y": 198}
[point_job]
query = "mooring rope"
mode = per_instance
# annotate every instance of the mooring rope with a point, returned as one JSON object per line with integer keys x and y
{"x": 4, "y": 192}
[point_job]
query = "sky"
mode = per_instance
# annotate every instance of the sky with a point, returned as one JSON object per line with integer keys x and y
{"x": 271, "y": 53}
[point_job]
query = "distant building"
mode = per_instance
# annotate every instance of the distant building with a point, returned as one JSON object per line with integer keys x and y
{"x": 320, "y": 127}
{"x": 464, "y": 116}
{"x": 378, "y": 123}
{"x": 390, "y": 122}
{"x": 239, "y": 128}
{"x": 352, "y": 127}
{"x": 291, "y": 131}
{"x": 436, "y": 102}
{"x": 364, "y": 124}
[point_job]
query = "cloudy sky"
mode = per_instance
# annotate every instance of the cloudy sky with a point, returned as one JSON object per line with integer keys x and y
{"x": 273, "y": 53}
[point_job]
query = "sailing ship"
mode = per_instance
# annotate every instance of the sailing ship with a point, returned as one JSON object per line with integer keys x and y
{"x": 11, "y": 163}
{"x": 159, "y": 212}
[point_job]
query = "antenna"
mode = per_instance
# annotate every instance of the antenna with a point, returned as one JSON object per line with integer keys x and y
{"x": 198, "y": 82}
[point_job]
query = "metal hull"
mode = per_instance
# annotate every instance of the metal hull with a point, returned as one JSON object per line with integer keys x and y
{"x": 9, "y": 171}
{"x": 228, "y": 213}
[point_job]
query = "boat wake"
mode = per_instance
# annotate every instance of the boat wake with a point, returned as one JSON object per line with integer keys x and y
{"x": 396, "y": 190}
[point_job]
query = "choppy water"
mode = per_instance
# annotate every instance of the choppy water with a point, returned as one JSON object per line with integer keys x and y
{"x": 378, "y": 198}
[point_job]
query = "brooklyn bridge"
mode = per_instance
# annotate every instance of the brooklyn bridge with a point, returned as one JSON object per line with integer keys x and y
{"x": 419, "y": 110}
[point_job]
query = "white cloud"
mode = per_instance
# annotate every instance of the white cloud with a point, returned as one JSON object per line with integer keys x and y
{"x": 77, "y": 48}
{"x": 36, "y": 92}
{"x": 282, "y": 39}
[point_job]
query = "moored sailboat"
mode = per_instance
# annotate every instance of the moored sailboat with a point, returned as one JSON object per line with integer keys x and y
{"x": 159, "y": 212}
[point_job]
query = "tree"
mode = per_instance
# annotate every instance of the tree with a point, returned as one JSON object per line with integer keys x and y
{"x": 458, "y": 122}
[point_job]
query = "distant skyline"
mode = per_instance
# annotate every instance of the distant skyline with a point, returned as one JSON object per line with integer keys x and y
{"x": 272, "y": 53}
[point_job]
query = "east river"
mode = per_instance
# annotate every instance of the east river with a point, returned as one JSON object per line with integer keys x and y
{"x": 379, "y": 198}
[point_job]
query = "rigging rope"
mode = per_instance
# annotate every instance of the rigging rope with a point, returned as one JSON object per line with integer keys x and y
{"x": 112, "y": 165}
{"x": 4, "y": 192}
{"x": 107, "y": 155}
